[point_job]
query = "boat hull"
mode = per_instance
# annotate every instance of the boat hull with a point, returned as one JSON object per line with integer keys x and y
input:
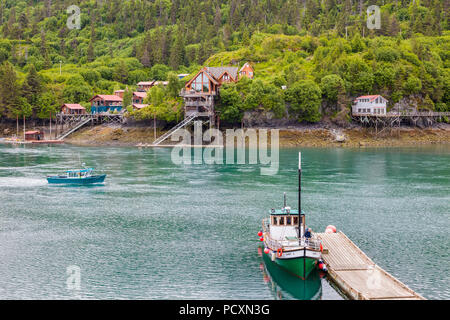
{"x": 303, "y": 289}
{"x": 78, "y": 181}
{"x": 300, "y": 267}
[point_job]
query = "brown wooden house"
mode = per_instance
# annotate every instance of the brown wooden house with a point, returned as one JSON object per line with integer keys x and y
{"x": 202, "y": 90}
{"x": 247, "y": 71}
{"x": 145, "y": 85}
{"x": 73, "y": 108}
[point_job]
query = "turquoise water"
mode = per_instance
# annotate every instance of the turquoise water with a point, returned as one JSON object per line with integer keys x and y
{"x": 157, "y": 230}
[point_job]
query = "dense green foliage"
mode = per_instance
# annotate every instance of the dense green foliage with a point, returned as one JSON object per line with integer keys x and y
{"x": 321, "y": 50}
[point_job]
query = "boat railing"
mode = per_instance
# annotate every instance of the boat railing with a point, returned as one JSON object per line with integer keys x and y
{"x": 311, "y": 243}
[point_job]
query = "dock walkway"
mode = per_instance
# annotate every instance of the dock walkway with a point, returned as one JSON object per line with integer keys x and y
{"x": 357, "y": 275}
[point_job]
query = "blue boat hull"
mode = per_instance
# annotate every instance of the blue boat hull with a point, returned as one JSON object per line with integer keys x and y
{"x": 88, "y": 180}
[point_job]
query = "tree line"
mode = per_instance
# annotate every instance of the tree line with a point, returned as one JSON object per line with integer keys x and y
{"x": 122, "y": 42}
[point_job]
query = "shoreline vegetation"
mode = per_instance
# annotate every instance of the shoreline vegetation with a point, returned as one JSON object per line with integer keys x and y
{"x": 317, "y": 136}
{"x": 309, "y": 62}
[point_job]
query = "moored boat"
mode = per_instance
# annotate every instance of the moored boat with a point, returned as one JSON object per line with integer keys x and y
{"x": 286, "y": 240}
{"x": 77, "y": 176}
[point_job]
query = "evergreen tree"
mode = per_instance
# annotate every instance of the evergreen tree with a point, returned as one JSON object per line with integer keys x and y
{"x": 9, "y": 90}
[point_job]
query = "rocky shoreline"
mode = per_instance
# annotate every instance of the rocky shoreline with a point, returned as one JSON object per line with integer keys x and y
{"x": 355, "y": 137}
{"x": 313, "y": 135}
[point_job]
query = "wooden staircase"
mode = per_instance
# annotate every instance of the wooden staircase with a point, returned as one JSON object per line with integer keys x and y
{"x": 180, "y": 125}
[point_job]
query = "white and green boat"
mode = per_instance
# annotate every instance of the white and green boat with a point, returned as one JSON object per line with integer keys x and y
{"x": 286, "y": 242}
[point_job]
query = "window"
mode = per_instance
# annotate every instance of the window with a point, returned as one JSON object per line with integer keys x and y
{"x": 281, "y": 221}
{"x": 201, "y": 83}
{"x": 274, "y": 221}
{"x": 295, "y": 221}
{"x": 288, "y": 221}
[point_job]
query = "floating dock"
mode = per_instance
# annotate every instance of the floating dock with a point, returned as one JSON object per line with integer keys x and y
{"x": 47, "y": 141}
{"x": 356, "y": 275}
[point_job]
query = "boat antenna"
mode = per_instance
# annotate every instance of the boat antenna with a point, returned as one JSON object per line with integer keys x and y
{"x": 284, "y": 195}
{"x": 299, "y": 193}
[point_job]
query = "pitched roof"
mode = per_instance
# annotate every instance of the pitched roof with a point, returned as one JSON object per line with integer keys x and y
{"x": 146, "y": 83}
{"x": 217, "y": 72}
{"x": 245, "y": 64}
{"x": 74, "y": 106}
{"x": 140, "y": 94}
{"x": 108, "y": 97}
{"x": 371, "y": 98}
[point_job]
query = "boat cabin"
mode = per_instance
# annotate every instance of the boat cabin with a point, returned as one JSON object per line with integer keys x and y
{"x": 284, "y": 224}
{"x": 83, "y": 173}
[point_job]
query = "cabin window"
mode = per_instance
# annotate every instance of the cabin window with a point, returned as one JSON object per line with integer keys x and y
{"x": 281, "y": 221}
{"x": 288, "y": 221}
{"x": 274, "y": 221}
{"x": 295, "y": 221}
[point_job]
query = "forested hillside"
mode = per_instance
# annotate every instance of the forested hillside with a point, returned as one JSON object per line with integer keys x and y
{"x": 321, "y": 50}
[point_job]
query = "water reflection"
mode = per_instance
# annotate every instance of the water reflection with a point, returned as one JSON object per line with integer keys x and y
{"x": 285, "y": 286}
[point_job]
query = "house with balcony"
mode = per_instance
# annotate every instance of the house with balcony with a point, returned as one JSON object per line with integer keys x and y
{"x": 106, "y": 103}
{"x": 369, "y": 105}
{"x": 201, "y": 92}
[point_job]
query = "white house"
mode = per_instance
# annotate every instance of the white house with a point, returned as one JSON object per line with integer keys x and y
{"x": 369, "y": 105}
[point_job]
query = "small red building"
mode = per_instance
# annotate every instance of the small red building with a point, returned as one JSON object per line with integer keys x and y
{"x": 145, "y": 85}
{"x": 73, "y": 108}
{"x": 247, "y": 71}
{"x": 119, "y": 93}
{"x": 138, "y": 97}
{"x": 34, "y": 135}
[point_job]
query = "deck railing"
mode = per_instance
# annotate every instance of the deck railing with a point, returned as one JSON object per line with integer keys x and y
{"x": 311, "y": 243}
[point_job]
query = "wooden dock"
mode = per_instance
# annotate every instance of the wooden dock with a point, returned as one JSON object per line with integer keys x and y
{"x": 356, "y": 275}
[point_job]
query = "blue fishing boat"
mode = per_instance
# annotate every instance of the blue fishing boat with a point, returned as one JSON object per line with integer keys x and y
{"x": 79, "y": 176}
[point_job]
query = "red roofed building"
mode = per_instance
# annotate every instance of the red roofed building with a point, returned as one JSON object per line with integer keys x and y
{"x": 247, "y": 71}
{"x": 73, "y": 108}
{"x": 106, "y": 103}
{"x": 119, "y": 93}
{"x": 145, "y": 85}
{"x": 138, "y": 97}
{"x": 373, "y": 105}
{"x": 34, "y": 135}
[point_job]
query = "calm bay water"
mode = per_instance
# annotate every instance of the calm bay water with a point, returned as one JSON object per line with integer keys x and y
{"x": 157, "y": 230}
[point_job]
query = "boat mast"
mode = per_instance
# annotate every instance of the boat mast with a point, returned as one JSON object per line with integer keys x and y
{"x": 299, "y": 194}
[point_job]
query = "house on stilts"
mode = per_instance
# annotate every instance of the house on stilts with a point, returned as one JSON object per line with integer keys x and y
{"x": 201, "y": 94}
